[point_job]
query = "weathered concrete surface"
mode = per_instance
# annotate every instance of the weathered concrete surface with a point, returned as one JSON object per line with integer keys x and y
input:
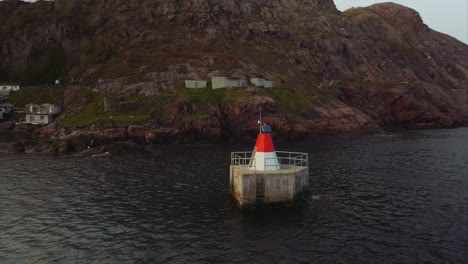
{"x": 251, "y": 187}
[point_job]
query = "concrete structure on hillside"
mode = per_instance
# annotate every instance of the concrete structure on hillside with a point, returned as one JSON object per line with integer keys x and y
{"x": 260, "y": 82}
{"x": 6, "y": 88}
{"x": 115, "y": 104}
{"x": 265, "y": 176}
{"x": 226, "y": 82}
{"x": 38, "y": 119}
{"x": 40, "y": 114}
{"x": 196, "y": 84}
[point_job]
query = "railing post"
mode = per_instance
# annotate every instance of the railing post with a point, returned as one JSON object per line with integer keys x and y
{"x": 295, "y": 159}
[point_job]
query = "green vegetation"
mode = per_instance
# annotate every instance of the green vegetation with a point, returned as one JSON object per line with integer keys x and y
{"x": 89, "y": 109}
{"x": 49, "y": 61}
{"x": 98, "y": 49}
{"x": 206, "y": 99}
{"x": 293, "y": 100}
{"x": 3, "y": 73}
{"x": 89, "y": 106}
{"x": 297, "y": 100}
{"x": 37, "y": 95}
{"x": 290, "y": 99}
{"x": 48, "y": 65}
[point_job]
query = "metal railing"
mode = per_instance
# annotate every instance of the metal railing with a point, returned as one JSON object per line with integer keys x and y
{"x": 285, "y": 159}
{"x": 241, "y": 158}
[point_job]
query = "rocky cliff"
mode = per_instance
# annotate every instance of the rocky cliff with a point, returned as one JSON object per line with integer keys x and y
{"x": 362, "y": 69}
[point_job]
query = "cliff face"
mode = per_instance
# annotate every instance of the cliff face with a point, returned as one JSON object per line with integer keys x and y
{"x": 365, "y": 68}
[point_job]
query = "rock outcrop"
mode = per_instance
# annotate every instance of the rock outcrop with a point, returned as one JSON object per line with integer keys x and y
{"x": 389, "y": 68}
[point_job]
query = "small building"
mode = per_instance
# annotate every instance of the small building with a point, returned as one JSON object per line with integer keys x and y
{"x": 37, "y": 119}
{"x": 5, "y": 88}
{"x": 195, "y": 84}
{"x": 42, "y": 109}
{"x": 50, "y": 108}
{"x": 226, "y": 82}
{"x": 40, "y": 114}
{"x": 31, "y": 108}
{"x": 260, "y": 82}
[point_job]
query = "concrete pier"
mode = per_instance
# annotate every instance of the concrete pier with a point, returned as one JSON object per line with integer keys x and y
{"x": 251, "y": 187}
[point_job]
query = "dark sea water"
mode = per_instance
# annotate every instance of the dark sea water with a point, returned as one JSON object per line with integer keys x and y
{"x": 385, "y": 198}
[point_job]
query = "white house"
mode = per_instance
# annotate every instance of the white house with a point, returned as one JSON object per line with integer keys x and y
{"x": 40, "y": 114}
{"x": 196, "y": 84}
{"x": 31, "y": 108}
{"x": 42, "y": 109}
{"x": 226, "y": 82}
{"x": 38, "y": 119}
{"x": 50, "y": 108}
{"x": 5, "y": 89}
{"x": 260, "y": 82}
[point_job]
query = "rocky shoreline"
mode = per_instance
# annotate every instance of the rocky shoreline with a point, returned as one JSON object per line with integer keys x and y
{"x": 122, "y": 140}
{"x": 27, "y": 138}
{"x": 355, "y": 110}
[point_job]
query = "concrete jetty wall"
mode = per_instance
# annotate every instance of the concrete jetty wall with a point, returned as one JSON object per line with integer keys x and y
{"x": 250, "y": 187}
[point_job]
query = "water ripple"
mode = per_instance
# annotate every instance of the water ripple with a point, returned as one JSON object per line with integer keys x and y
{"x": 394, "y": 198}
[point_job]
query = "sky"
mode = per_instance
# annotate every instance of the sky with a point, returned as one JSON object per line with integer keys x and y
{"x": 446, "y": 16}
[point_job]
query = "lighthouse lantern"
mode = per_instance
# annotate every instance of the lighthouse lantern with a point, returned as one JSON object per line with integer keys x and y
{"x": 264, "y": 156}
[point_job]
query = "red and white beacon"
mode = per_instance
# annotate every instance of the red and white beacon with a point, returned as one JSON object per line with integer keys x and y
{"x": 264, "y": 156}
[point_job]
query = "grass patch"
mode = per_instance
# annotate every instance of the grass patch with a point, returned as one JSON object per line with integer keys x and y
{"x": 297, "y": 100}
{"x": 91, "y": 105}
{"x": 204, "y": 99}
{"x": 37, "y": 95}
{"x": 294, "y": 100}
{"x": 230, "y": 95}
{"x": 207, "y": 99}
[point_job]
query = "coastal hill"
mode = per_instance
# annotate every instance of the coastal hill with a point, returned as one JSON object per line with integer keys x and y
{"x": 359, "y": 70}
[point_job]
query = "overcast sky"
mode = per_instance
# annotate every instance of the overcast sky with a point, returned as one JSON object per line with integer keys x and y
{"x": 446, "y": 16}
